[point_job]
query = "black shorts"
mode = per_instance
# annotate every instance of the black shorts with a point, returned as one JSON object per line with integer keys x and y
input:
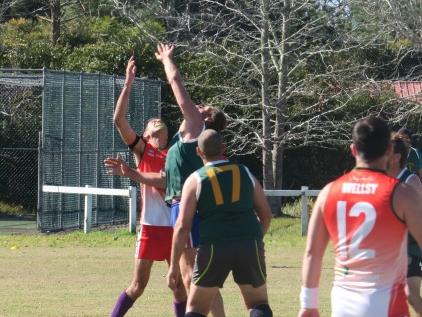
{"x": 245, "y": 259}
{"x": 414, "y": 267}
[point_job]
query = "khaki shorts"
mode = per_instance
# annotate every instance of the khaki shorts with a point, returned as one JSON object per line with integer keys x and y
{"x": 245, "y": 259}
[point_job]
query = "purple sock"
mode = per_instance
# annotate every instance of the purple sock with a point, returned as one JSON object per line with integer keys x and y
{"x": 124, "y": 302}
{"x": 179, "y": 309}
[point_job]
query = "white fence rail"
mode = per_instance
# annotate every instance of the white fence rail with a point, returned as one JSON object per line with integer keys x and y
{"x": 304, "y": 192}
{"x": 131, "y": 192}
{"x": 88, "y": 191}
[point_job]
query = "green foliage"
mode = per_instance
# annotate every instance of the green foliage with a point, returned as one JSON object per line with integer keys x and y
{"x": 24, "y": 45}
{"x": 87, "y": 44}
{"x": 293, "y": 207}
{"x": 7, "y": 209}
{"x": 101, "y": 57}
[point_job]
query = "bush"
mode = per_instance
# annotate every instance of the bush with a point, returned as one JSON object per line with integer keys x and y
{"x": 293, "y": 207}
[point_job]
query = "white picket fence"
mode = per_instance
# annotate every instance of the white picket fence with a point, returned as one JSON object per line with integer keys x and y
{"x": 88, "y": 191}
{"x": 304, "y": 192}
{"x": 131, "y": 193}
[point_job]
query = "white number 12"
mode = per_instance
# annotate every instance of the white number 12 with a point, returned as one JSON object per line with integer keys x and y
{"x": 352, "y": 250}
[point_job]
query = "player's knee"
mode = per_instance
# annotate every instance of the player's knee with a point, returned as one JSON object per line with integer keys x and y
{"x": 179, "y": 293}
{"x": 262, "y": 310}
{"x": 187, "y": 279}
{"x": 192, "y": 314}
{"x": 137, "y": 288}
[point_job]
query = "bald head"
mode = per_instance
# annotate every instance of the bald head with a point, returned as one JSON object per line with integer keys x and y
{"x": 210, "y": 143}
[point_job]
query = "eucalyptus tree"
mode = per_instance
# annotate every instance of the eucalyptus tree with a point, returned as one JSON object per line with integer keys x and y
{"x": 397, "y": 28}
{"x": 289, "y": 73}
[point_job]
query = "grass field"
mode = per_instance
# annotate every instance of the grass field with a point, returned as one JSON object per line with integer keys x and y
{"x": 73, "y": 274}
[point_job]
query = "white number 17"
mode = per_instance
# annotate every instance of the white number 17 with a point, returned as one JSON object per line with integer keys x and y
{"x": 350, "y": 249}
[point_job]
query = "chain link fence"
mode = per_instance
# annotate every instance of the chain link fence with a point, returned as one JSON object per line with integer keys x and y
{"x": 20, "y": 121}
{"x": 74, "y": 112}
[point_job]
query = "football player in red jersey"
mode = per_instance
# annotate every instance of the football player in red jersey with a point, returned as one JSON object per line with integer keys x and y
{"x": 155, "y": 233}
{"x": 366, "y": 214}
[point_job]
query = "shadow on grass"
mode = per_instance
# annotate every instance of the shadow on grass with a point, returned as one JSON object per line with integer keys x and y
{"x": 15, "y": 224}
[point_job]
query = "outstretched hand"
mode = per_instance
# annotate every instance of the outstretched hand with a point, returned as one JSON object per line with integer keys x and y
{"x": 164, "y": 51}
{"x": 130, "y": 71}
{"x": 116, "y": 166}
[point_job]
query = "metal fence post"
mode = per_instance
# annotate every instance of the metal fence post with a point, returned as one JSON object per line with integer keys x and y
{"x": 132, "y": 209}
{"x": 304, "y": 215}
{"x": 40, "y": 181}
{"x": 88, "y": 211}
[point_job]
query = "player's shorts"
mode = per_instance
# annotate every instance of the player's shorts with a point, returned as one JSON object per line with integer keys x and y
{"x": 193, "y": 240}
{"x": 414, "y": 268}
{"x": 387, "y": 302}
{"x": 245, "y": 259}
{"x": 154, "y": 243}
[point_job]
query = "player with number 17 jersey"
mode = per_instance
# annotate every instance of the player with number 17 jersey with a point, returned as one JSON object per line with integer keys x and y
{"x": 362, "y": 224}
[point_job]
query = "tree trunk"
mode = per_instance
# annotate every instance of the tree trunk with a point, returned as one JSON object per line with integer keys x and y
{"x": 267, "y": 157}
{"x": 281, "y": 105}
{"x": 55, "y": 20}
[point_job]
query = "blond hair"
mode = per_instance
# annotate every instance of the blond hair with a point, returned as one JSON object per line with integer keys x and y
{"x": 153, "y": 125}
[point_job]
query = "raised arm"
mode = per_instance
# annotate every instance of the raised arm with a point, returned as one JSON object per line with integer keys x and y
{"x": 125, "y": 130}
{"x": 116, "y": 166}
{"x": 193, "y": 121}
{"x": 261, "y": 206}
{"x": 316, "y": 244}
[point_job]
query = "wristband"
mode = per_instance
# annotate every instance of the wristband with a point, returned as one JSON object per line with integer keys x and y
{"x": 309, "y": 297}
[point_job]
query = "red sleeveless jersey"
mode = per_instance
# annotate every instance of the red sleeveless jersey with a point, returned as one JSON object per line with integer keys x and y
{"x": 370, "y": 242}
{"x": 154, "y": 209}
{"x": 155, "y": 233}
{"x": 369, "y": 239}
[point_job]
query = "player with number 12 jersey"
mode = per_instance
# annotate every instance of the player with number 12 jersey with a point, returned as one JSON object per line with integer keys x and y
{"x": 369, "y": 278}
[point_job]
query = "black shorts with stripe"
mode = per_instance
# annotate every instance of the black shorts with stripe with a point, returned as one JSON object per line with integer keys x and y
{"x": 414, "y": 267}
{"x": 245, "y": 259}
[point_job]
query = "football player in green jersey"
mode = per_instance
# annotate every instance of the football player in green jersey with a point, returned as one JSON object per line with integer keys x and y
{"x": 182, "y": 160}
{"x": 414, "y": 158}
{"x": 234, "y": 215}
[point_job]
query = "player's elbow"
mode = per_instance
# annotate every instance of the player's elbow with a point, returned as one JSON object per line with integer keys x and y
{"x": 313, "y": 253}
{"x": 265, "y": 223}
{"x": 117, "y": 120}
{"x": 181, "y": 229}
{"x": 174, "y": 78}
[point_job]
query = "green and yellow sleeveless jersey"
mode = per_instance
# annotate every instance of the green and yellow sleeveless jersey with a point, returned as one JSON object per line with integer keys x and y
{"x": 181, "y": 161}
{"x": 225, "y": 203}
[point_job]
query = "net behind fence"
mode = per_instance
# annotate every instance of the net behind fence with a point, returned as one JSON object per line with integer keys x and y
{"x": 77, "y": 135}
{"x": 20, "y": 122}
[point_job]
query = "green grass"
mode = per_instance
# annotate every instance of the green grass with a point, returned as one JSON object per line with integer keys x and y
{"x": 73, "y": 274}
{"x": 103, "y": 238}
